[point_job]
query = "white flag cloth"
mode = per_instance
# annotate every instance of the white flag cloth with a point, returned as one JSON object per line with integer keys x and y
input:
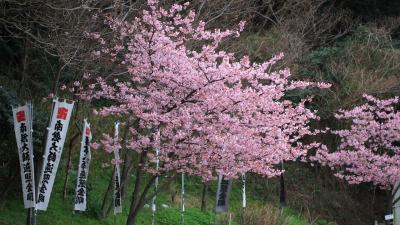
{"x": 117, "y": 175}
{"x": 83, "y": 170}
{"x": 224, "y": 189}
{"x": 56, "y": 135}
{"x": 23, "y": 134}
{"x": 244, "y": 202}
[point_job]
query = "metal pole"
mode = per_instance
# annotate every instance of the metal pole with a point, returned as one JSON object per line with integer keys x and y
{"x": 72, "y": 217}
{"x": 31, "y": 216}
{"x": 282, "y": 194}
{"x": 31, "y": 220}
{"x": 396, "y": 215}
{"x": 396, "y": 204}
{"x": 182, "y": 199}
{"x": 244, "y": 199}
{"x": 153, "y": 205}
{"x": 28, "y": 217}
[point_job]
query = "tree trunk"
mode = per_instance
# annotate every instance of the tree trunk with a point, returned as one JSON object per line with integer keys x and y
{"x": 132, "y": 211}
{"x": 22, "y": 92}
{"x": 70, "y": 146}
{"x": 126, "y": 170}
{"x": 282, "y": 195}
{"x": 389, "y": 204}
{"x": 57, "y": 79}
{"x": 128, "y": 165}
{"x": 138, "y": 201}
{"x": 373, "y": 200}
{"x": 69, "y": 164}
{"x": 132, "y": 214}
{"x": 204, "y": 196}
{"x": 107, "y": 199}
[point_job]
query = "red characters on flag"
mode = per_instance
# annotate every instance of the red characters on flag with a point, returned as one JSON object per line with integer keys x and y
{"x": 87, "y": 131}
{"x": 62, "y": 113}
{"x": 20, "y": 116}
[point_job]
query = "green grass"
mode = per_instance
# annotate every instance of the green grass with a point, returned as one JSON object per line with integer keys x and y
{"x": 60, "y": 211}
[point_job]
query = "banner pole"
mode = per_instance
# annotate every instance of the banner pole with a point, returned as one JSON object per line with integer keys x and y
{"x": 182, "y": 199}
{"x": 31, "y": 220}
{"x": 28, "y": 217}
{"x": 32, "y": 210}
{"x": 153, "y": 205}
{"x": 244, "y": 198}
{"x": 34, "y": 216}
{"x": 117, "y": 176}
{"x": 72, "y": 217}
{"x": 396, "y": 203}
{"x": 282, "y": 192}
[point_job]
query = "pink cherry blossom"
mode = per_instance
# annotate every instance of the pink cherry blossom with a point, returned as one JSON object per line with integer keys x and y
{"x": 116, "y": 161}
{"x": 206, "y": 111}
{"x": 94, "y": 145}
{"x": 369, "y": 149}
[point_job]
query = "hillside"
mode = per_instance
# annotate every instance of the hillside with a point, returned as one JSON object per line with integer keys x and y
{"x": 50, "y": 48}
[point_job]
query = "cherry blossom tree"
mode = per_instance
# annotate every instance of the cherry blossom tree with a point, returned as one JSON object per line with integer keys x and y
{"x": 206, "y": 111}
{"x": 369, "y": 148}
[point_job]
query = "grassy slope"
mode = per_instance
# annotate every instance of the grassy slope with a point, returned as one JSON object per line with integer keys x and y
{"x": 60, "y": 212}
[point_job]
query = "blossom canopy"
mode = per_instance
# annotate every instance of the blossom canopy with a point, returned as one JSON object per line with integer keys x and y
{"x": 206, "y": 111}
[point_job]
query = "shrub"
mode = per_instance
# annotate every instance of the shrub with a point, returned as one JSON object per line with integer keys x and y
{"x": 266, "y": 215}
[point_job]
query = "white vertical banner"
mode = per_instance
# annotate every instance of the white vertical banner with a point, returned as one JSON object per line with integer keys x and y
{"x": 23, "y": 134}
{"x": 182, "y": 199}
{"x": 224, "y": 189}
{"x": 153, "y": 202}
{"x": 244, "y": 200}
{"x": 56, "y": 136}
{"x": 83, "y": 169}
{"x": 117, "y": 174}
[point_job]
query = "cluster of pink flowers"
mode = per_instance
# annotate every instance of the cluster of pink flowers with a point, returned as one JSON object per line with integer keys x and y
{"x": 207, "y": 112}
{"x": 369, "y": 149}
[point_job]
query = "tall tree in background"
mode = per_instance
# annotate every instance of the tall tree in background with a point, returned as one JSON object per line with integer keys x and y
{"x": 369, "y": 150}
{"x": 207, "y": 112}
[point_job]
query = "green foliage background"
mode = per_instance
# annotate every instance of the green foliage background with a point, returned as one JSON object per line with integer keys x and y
{"x": 354, "y": 45}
